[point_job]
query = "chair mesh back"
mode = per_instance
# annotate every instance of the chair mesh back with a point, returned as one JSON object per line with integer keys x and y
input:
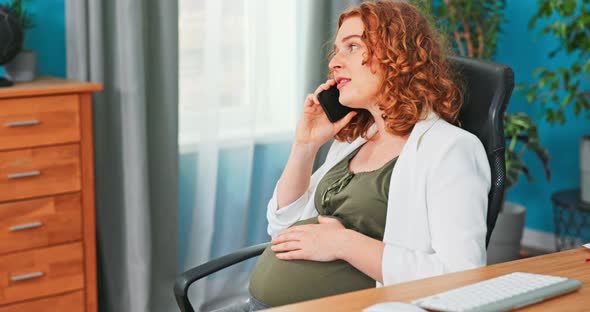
{"x": 488, "y": 87}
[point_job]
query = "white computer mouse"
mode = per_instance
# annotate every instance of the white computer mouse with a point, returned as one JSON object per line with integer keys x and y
{"x": 392, "y": 306}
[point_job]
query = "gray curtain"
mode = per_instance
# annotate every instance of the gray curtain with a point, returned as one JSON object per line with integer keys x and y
{"x": 131, "y": 47}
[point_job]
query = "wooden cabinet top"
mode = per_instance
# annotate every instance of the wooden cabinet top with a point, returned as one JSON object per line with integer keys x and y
{"x": 48, "y": 86}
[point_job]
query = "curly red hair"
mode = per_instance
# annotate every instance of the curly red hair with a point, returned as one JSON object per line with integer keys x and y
{"x": 416, "y": 75}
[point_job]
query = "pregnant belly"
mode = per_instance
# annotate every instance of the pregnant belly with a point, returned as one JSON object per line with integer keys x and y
{"x": 278, "y": 282}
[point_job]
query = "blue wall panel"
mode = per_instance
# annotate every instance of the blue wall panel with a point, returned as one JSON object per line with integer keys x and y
{"x": 524, "y": 50}
{"x": 48, "y": 38}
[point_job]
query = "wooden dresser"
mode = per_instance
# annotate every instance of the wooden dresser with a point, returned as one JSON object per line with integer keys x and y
{"x": 47, "y": 216}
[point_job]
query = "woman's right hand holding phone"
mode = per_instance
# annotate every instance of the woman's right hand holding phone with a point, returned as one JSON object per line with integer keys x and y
{"x": 314, "y": 129}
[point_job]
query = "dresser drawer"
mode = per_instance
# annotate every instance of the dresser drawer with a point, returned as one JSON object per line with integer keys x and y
{"x": 39, "y": 171}
{"x": 70, "y": 302}
{"x": 34, "y": 121}
{"x": 40, "y": 222}
{"x": 41, "y": 272}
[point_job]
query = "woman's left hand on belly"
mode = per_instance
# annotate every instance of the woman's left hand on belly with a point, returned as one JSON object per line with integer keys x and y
{"x": 316, "y": 242}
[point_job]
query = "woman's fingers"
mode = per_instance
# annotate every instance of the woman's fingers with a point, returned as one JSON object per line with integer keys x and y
{"x": 308, "y": 100}
{"x": 312, "y": 99}
{"x": 292, "y": 255}
{"x": 285, "y": 237}
{"x": 345, "y": 120}
{"x": 328, "y": 84}
{"x": 288, "y": 246}
{"x": 324, "y": 86}
{"x": 310, "y": 106}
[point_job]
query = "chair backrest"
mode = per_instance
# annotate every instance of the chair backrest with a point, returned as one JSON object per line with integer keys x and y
{"x": 488, "y": 87}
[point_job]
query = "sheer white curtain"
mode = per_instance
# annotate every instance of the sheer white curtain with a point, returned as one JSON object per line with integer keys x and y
{"x": 238, "y": 84}
{"x": 244, "y": 69}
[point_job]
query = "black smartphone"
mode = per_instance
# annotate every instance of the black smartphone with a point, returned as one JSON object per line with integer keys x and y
{"x": 332, "y": 107}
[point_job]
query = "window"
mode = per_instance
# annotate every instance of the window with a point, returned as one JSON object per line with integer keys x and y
{"x": 237, "y": 69}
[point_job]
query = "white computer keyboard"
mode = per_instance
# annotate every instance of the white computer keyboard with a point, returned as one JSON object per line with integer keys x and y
{"x": 503, "y": 293}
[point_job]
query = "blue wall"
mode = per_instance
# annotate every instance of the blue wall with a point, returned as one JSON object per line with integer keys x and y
{"x": 48, "y": 36}
{"x": 524, "y": 51}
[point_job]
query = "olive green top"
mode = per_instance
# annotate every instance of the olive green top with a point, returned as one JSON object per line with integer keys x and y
{"x": 359, "y": 201}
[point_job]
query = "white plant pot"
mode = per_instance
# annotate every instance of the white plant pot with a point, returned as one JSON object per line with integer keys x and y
{"x": 23, "y": 67}
{"x": 585, "y": 168}
{"x": 505, "y": 241}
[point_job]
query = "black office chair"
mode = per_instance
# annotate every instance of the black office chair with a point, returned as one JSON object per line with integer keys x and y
{"x": 488, "y": 87}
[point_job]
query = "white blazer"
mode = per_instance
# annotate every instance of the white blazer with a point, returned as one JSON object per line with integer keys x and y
{"x": 437, "y": 207}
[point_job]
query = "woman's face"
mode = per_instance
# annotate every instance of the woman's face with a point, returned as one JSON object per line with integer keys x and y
{"x": 358, "y": 85}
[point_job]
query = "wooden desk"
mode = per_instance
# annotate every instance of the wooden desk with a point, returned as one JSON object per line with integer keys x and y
{"x": 567, "y": 264}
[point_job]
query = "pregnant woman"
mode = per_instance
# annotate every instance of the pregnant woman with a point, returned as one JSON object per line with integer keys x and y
{"x": 403, "y": 191}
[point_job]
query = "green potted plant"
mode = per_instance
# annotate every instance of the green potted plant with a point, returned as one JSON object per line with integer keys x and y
{"x": 566, "y": 87}
{"x": 24, "y": 66}
{"x": 472, "y": 27}
{"x": 521, "y": 136}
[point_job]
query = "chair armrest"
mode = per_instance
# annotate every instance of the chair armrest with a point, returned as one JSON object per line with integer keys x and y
{"x": 184, "y": 281}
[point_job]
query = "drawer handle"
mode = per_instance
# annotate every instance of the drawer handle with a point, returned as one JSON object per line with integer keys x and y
{"x": 25, "y": 277}
{"x": 27, "y": 226}
{"x": 24, "y": 174}
{"x": 23, "y": 123}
